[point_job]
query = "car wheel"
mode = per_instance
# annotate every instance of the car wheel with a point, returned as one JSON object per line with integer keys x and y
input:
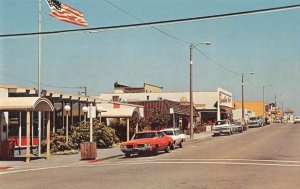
{"x": 155, "y": 150}
{"x": 181, "y": 144}
{"x": 173, "y": 146}
{"x": 127, "y": 155}
{"x": 168, "y": 149}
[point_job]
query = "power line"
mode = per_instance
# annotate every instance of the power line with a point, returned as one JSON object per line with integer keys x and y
{"x": 153, "y": 27}
{"x": 157, "y": 23}
{"x": 218, "y": 65}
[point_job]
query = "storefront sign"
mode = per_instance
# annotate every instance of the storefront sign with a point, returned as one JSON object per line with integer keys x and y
{"x": 184, "y": 101}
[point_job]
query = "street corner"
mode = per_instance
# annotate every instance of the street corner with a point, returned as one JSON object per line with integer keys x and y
{"x": 5, "y": 167}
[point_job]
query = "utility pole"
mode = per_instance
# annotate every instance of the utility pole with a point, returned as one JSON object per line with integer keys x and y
{"x": 191, "y": 87}
{"x": 191, "y": 93}
{"x": 264, "y": 109}
{"x": 243, "y": 113}
{"x": 39, "y": 73}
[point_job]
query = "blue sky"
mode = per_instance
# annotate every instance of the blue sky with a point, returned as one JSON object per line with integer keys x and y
{"x": 267, "y": 44}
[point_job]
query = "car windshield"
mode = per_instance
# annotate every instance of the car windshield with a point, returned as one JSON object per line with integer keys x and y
{"x": 168, "y": 132}
{"x": 144, "y": 135}
{"x": 221, "y": 122}
{"x": 253, "y": 118}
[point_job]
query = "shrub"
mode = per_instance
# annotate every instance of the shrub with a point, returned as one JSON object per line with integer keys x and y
{"x": 58, "y": 143}
{"x": 103, "y": 135}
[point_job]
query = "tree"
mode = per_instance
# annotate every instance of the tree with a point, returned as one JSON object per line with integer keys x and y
{"x": 158, "y": 119}
{"x": 103, "y": 135}
{"x": 120, "y": 126}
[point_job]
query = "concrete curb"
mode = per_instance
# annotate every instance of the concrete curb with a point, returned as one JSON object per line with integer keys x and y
{"x": 103, "y": 159}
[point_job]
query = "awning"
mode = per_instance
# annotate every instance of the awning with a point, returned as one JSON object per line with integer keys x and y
{"x": 25, "y": 104}
{"x": 226, "y": 109}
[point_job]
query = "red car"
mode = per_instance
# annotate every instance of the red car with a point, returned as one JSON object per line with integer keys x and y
{"x": 150, "y": 141}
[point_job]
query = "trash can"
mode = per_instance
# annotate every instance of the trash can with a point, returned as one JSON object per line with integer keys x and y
{"x": 88, "y": 150}
{"x": 7, "y": 150}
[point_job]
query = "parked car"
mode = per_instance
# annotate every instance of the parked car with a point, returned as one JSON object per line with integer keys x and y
{"x": 297, "y": 119}
{"x": 278, "y": 120}
{"x": 147, "y": 142}
{"x": 256, "y": 122}
{"x": 222, "y": 127}
{"x": 177, "y": 135}
{"x": 237, "y": 127}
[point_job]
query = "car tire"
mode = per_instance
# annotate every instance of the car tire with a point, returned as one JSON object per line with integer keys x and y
{"x": 127, "y": 155}
{"x": 155, "y": 151}
{"x": 173, "y": 146}
{"x": 181, "y": 144}
{"x": 168, "y": 149}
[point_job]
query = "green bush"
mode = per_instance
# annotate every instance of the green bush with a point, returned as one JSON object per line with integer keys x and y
{"x": 103, "y": 135}
{"x": 58, "y": 143}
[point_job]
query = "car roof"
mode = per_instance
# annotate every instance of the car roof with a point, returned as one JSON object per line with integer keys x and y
{"x": 147, "y": 132}
{"x": 169, "y": 129}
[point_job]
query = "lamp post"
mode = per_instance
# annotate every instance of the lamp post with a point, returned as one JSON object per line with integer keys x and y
{"x": 67, "y": 108}
{"x": 243, "y": 111}
{"x": 173, "y": 116}
{"x": 191, "y": 86}
{"x": 85, "y": 110}
{"x": 91, "y": 122}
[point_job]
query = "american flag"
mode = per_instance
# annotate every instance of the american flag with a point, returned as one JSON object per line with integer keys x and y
{"x": 66, "y": 13}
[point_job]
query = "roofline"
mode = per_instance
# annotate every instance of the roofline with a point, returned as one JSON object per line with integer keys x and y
{"x": 153, "y": 85}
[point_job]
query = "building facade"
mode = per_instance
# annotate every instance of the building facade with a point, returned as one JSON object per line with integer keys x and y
{"x": 210, "y": 106}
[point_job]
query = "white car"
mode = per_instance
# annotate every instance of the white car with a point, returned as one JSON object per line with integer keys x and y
{"x": 177, "y": 135}
{"x": 222, "y": 127}
{"x": 297, "y": 119}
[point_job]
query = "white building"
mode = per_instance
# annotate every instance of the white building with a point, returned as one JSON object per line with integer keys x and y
{"x": 237, "y": 114}
{"x": 211, "y": 106}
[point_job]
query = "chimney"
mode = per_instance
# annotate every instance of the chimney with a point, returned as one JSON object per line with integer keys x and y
{"x": 116, "y": 99}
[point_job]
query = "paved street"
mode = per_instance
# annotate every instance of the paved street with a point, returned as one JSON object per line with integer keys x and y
{"x": 267, "y": 157}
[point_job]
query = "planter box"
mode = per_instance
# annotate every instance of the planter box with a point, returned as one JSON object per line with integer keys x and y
{"x": 88, "y": 150}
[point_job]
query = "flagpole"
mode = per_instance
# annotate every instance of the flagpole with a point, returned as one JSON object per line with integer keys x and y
{"x": 39, "y": 72}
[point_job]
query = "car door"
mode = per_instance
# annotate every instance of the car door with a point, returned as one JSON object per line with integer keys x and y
{"x": 163, "y": 140}
{"x": 177, "y": 137}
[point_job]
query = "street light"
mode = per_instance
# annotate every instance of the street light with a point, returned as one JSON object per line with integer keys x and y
{"x": 85, "y": 110}
{"x": 191, "y": 85}
{"x": 67, "y": 108}
{"x": 173, "y": 116}
{"x": 243, "y": 114}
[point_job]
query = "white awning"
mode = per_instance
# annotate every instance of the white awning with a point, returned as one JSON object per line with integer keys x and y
{"x": 25, "y": 104}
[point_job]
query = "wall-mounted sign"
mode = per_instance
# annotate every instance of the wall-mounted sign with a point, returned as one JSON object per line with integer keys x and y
{"x": 184, "y": 101}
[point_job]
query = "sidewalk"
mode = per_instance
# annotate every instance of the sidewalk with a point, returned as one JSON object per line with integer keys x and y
{"x": 65, "y": 160}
